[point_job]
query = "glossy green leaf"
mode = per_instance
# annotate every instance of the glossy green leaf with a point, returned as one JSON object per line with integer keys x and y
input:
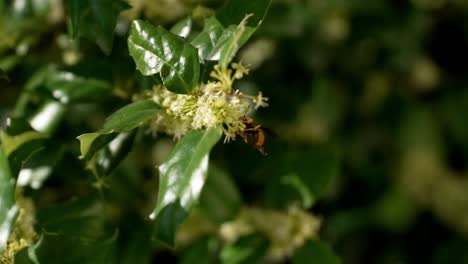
{"x": 315, "y": 252}
{"x": 219, "y": 43}
{"x": 224, "y": 34}
{"x": 95, "y": 19}
{"x": 220, "y": 200}
{"x": 8, "y": 209}
{"x": 183, "y": 175}
{"x": 131, "y": 116}
{"x": 67, "y": 87}
{"x": 207, "y": 40}
{"x": 156, "y": 50}
{"x": 183, "y": 28}
{"x": 249, "y": 249}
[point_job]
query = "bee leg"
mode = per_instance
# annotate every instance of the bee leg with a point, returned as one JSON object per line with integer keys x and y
{"x": 259, "y": 140}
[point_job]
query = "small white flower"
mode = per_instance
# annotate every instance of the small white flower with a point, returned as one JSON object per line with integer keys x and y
{"x": 215, "y": 104}
{"x": 260, "y": 101}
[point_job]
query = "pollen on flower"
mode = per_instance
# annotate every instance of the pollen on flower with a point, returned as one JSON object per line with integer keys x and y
{"x": 215, "y": 104}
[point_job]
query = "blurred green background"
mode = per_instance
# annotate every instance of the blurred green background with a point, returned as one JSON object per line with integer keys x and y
{"x": 375, "y": 91}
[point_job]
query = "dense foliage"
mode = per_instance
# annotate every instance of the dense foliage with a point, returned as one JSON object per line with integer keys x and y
{"x": 124, "y": 127}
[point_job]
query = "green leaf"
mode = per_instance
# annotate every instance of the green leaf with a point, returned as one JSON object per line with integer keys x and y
{"x": 8, "y": 63}
{"x": 17, "y": 125}
{"x": 183, "y": 28}
{"x": 183, "y": 175}
{"x": 169, "y": 219}
{"x": 231, "y": 41}
{"x": 13, "y": 143}
{"x": 220, "y": 200}
{"x": 224, "y": 34}
{"x": 76, "y": 9}
{"x": 103, "y": 152}
{"x": 95, "y": 19}
{"x": 67, "y": 87}
{"x": 217, "y": 43}
{"x": 8, "y": 209}
{"x": 105, "y": 13}
{"x": 90, "y": 143}
{"x": 19, "y": 148}
{"x": 249, "y": 249}
{"x": 207, "y": 40}
{"x": 76, "y": 218}
{"x": 315, "y": 252}
{"x": 156, "y": 50}
{"x": 33, "y": 83}
{"x": 130, "y": 116}
{"x": 110, "y": 156}
{"x": 136, "y": 240}
{"x": 234, "y": 11}
{"x": 39, "y": 166}
{"x": 203, "y": 250}
{"x": 48, "y": 117}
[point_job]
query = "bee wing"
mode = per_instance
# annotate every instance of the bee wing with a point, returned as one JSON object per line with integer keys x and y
{"x": 270, "y": 132}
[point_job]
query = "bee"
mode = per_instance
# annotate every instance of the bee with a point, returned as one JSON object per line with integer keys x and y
{"x": 256, "y": 134}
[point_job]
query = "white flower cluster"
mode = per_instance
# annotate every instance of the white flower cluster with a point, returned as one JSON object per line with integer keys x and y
{"x": 286, "y": 231}
{"x": 214, "y": 105}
